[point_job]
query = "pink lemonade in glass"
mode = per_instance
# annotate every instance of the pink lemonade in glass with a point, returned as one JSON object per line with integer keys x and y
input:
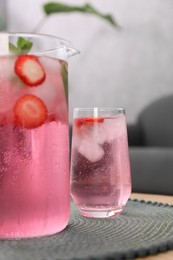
{"x": 100, "y": 169}
{"x": 34, "y": 145}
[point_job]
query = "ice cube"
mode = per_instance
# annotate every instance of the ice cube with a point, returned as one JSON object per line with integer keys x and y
{"x": 115, "y": 127}
{"x": 92, "y": 136}
{"x": 88, "y": 139}
{"x": 4, "y": 46}
{"x": 51, "y": 64}
{"x": 7, "y": 68}
{"x": 11, "y": 88}
{"x": 51, "y": 91}
{"x": 90, "y": 150}
{"x": 95, "y": 131}
{"x": 47, "y": 91}
{"x": 8, "y": 95}
{"x": 61, "y": 111}
{"x": 99, "y": 133}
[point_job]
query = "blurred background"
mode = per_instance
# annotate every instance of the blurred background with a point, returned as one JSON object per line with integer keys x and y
{"x": 129, "y": 67}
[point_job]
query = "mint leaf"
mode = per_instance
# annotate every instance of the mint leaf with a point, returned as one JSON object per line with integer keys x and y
{"x": 23, "y": 46}
{"x": 64, "y": 74}
{"x": 13, "y": 49}
{"x": 50, "y": 8}
{"x": 58, "y": 7}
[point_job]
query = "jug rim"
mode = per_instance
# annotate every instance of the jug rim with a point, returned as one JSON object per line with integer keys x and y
{"x": 59, "y": 44}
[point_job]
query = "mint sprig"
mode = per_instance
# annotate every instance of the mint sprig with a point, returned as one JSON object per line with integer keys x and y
{"x": 23, "y": 46}
{"x": 57, "y": 7}
{"x": 64, "y": 74}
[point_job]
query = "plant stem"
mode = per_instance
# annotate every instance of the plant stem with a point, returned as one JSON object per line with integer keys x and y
{"x": 39, "y": 25}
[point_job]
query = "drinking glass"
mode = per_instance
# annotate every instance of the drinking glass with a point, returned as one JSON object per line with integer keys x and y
{"x": 34, "y": 136}
{"x": 100, "y": 168}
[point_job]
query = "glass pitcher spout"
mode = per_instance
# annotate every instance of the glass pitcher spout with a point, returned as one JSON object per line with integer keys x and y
{"x": 42, "y": 45}
{"x": 66, "y": 49}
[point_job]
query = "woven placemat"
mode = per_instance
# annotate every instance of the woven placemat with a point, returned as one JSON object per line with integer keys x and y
{"x": 144, "y": 228}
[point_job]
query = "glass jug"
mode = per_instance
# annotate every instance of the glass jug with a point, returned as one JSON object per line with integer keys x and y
{"x": 34, "y": 135}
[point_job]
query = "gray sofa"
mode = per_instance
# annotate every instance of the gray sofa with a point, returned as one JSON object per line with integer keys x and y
{"x": 151, "y": 148}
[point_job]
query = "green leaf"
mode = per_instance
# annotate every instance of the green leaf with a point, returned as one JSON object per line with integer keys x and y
{"x": 57, "y": 7}
{"x": 13, "y": 49}
{"x": 65, "y": 79}
{"x": 23, "y": 46}
{"x": 50, "y": 8}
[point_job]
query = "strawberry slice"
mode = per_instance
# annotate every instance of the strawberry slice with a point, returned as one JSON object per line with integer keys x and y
{"x": 81, "y": 121}
{"x": 30, "y": 70}
{"x": 93, "y": 120}
{"x": 30, "y": 111}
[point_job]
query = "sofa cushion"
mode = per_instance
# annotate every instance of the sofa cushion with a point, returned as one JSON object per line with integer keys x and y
{"x": 156, "y": 123}
{"x": 152, "y": 170}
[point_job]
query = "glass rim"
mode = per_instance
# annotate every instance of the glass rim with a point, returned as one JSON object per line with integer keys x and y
{"x": 60, "y": 43}
{"x": 97, "y": 111}
{"x": 106, "y": 109}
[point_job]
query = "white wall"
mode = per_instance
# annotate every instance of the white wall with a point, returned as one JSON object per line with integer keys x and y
{"x": 129, "y": 68}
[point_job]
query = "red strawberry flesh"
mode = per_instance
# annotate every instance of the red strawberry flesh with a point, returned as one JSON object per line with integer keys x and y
{"x": 93, "y": 120}
{"x": 81, "y": 121}
{"x": 30, "y": 70}
{"x": 30, "y": 112}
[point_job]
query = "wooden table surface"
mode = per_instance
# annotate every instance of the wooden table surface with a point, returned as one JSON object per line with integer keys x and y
{"x": 160, "y": 198}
